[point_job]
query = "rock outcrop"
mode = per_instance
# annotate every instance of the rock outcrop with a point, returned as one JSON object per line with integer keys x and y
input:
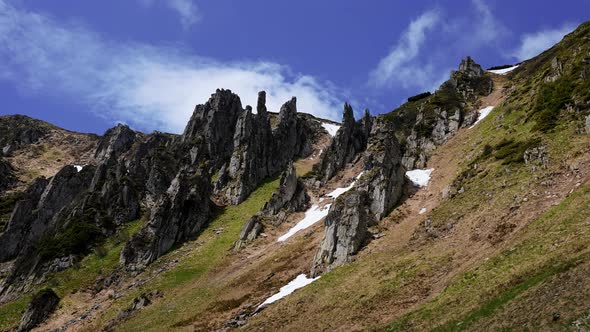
{"x": 7, "y": 178}
{"x": 17, "y": 131}
{"x": 372, "y": 198}
{"x": 179, "y": 214}
{"x": 588, "y": 124}
{"x": 260, "y": 152}
{"x": 41, "y": 306}
{"x": 212, "y": 126}
{"x": 349, "y": 142}
{"x": 41, "y": 211}
{"x": 114, "y": 142}
{"x": 345, "y": 232}
{"x": 423, "y": 125}
{"x": 288, "y": 198}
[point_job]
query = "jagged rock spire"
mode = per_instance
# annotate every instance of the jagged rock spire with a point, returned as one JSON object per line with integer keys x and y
{"x": 470, "y": 67}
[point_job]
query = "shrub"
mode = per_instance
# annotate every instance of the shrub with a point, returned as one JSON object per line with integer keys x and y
{"x": 510, "y": 151}
{"x": 551, "y": 99}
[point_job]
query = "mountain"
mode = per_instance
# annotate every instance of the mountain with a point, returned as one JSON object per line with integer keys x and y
{"x": 465, "y": 209}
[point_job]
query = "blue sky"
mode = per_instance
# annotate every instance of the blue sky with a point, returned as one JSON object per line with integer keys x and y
{"x": 86, "y": 65}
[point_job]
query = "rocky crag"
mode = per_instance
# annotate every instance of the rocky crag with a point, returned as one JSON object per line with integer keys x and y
{"x": 290, "y": 197}
{"x": 425, "y": 123}
{"x": 167, "y": 176}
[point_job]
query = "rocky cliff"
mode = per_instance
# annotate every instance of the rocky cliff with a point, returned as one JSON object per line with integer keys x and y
{"x": 167, "y": 176}
{"x": 349, "y": 142}
{"x": 372, "y": 198}
{"x": 289, "y": 197}
{"x": 423, "y": 124}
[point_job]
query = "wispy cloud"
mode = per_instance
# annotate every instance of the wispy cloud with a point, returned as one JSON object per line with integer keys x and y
{"x": 534, "y": 43}
{"x": 409, "y": 66}
{"x": 148, "y": 87}
{"x": 187, "y": 10}
{"x": 397, "y": 65}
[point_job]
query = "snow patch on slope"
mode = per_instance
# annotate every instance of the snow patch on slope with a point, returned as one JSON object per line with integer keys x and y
{"x": 503, "y": 71}
{"x": 316, "y": 213}
{"x": 301, "y": 281}
{"x": 78, "y": 167}
{"x": 313, "y": 215}
{"x": 332, "y": 129}
{"x": 420, "y": 177}
{"x": 482, "y": 114}
{"x": 339, "y": 191}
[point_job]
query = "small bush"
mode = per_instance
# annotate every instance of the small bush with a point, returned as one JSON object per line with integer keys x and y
{"x": 551, "y": 99}
{"x": 511, "y": 152}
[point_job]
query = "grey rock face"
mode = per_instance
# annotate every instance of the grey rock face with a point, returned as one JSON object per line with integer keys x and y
{"x": 384, "y": 174}
{"x": 261, "y": 152}
{"x": 588, "y": 124}
{"x": 289, "y": 197}
{"x": 19, "y": 130}
{"x": 469, "y": 67}
{"x": 345, "y": 231}
{"x": 7, "y": 178}
{"x": 372, "y": 198}
{"x": 439, "y": 117}
{"x": 179, "y": 214}
{"x": 39, "y": 213}
{"x": 42, "y": 305}
{"x": 212, "y": 126}
{"x": 115, "y": 141}
{"x": 349, "y": 142}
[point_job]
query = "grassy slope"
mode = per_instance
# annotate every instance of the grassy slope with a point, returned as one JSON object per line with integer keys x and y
{"x": 431, "y": 285}
{"x": 185, "y": 287}
{"x": 77, "y": 278}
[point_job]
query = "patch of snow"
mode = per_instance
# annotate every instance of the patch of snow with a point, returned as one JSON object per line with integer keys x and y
{"x": 332, "y": 129}
{"x": 339, "y": 191}
{"x": 420, "y": 177}
{"x": 422, "y": 211}
{"x": 503, "y": 71}
{"x": 482, "y": 114}
{"x": 313, "y": 215}
{"x": 78, "y": 167}
{"x": 316, "y": 213}
{"x": 301, "y": 281}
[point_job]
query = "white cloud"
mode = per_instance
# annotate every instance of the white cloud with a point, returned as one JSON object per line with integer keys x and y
{"x": 145, "y": 86}
{"x": 486, "y": 29}
{"x": 409, "y": 66}
{"x": 534, "y": 43}
{"x": 187, "y": 10}
{"x": 396, "y": 66}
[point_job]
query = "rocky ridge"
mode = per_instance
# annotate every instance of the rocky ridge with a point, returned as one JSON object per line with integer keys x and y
{"x": 166, "y": 175}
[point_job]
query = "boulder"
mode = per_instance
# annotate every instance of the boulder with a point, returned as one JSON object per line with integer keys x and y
{"x": 41, "y": 306}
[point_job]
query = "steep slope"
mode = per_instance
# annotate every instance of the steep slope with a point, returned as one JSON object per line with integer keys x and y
{"x": 503, "y": 241}
{"x": 496, "y": 239}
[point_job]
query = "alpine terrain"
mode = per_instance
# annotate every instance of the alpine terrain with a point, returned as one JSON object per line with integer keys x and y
{"x": 466, "y": 209}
